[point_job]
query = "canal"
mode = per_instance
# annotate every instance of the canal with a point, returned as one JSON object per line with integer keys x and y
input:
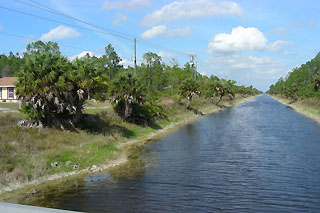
{"x": 259, "y": 156}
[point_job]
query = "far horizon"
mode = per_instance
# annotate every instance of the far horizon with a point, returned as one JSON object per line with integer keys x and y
{"x": 254, "y": 43}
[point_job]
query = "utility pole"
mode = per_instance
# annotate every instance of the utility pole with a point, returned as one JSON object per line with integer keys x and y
{"x": 135, "y": 55}
{"x": 193, "y": 65}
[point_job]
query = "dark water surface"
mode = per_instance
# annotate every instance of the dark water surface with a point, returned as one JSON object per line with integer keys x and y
{"x": 259, "y": 156}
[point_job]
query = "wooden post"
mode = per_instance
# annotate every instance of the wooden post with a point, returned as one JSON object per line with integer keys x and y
{"x": 135, "y": 55}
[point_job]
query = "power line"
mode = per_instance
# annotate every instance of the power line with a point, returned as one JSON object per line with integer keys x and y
{"x": 25, "y": 37}
{"x": 50, "y": 10}
{"x": 113, "y": 32}
{"x": 155, "y": 46}
{"x": 60, "y": 22}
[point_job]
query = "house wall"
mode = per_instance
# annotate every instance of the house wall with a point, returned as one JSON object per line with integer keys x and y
{"x": 5, "y": 95}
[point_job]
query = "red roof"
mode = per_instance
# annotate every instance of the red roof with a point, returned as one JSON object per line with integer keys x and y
{"x": 8, "y": 81}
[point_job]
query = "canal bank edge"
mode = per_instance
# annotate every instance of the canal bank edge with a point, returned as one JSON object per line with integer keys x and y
{"x": 18, "y": 190}
{"x": 299, "y": 107}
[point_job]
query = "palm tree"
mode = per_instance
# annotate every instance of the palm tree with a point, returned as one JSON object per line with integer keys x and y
{"x": 126, "y": 91}
{"x": 188, "y": 89}
{"x": 51, "y": 88}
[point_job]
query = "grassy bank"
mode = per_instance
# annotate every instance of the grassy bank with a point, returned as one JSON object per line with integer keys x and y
{"x": 31, "y": 157}
{"x": 308, "y": 107}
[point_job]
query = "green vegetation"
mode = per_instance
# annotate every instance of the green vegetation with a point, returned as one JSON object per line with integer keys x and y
{"x": 188, "y": 89}
{"x": 300, "y": 89}
{"x": 52, "y": 89}
{"x": 30, "y": 153}
{"x": 300, "y": 83}
{"x": 10, "y": 65}
{"x": 71, "y": 95}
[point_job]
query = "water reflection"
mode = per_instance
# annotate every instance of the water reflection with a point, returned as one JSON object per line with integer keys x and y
{"x": 260, "y": 156}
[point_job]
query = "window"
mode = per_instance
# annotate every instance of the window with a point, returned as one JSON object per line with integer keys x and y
{"x": 0, "y": 92}
{"x": 10, "y": 92}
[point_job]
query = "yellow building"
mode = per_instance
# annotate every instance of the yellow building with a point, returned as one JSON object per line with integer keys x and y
{"x": 7, "y": 89}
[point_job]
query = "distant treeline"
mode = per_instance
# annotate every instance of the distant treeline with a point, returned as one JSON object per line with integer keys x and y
{"x": 302, "y": 82}
{"x": 54, "y": 88}
{"x": 10, "y": 65}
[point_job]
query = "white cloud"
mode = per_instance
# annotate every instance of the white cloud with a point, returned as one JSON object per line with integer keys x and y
{"x": 154, "y": 31}
{"x": 240, "y": 39}
{"x": 280, "y": 31}
{"x": 125, "y": 63}
{"x": 308, "y": 24}
{"x": 247, "y": 69}
{"x": 191, "y": 9}
{"x": 59, "y": 33}
{"x": 161, "y": 30}
{"x": 29, "y": 39}
{"x": 83, "y": 54}
{"x": 180, "y": 32}
{"x": 126, "y": 4}
{"x": 119, "y": 19}
{"x": 254, "y": 63}
{"x": 247, "y": 63}
{"x": 165, "y": 55}
{"x": 278, "y": 46}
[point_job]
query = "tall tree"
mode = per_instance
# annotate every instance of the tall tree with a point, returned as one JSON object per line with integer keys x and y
{"x": 112, "y": 61}
{"x": 188, "y": 89}
{"x": 126, "y": 92}
{"x": 51, "y": 88}
{"x": 90, "y": 76}
{"x": 154, "y": 68}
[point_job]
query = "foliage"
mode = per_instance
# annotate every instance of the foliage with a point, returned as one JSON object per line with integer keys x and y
{"x": 127, "y": 95}
{"x": 54, "y": 89}
{"x": 188, "y": 89}
{"x": 302, "y": 82}
{"x": 152, "y": 73}
{"x": 90, "y": 76}
{"x": 111, "y": 61}
{"x": 51, "y": 88}
{"x": 10, "y": 65}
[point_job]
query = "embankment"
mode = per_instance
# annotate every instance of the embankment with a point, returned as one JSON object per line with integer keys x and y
{"x": 83, "y": 149}
{"x": 308, "y": 107}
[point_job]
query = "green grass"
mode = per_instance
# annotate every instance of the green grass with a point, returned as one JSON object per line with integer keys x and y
{"x": 27, "y": 154}
{"x": 13, "y": 106}
{"x": 31, "y": 151}
{"x": 91, "y": 103}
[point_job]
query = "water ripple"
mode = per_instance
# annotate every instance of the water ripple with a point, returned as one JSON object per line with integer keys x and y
{"x": 259, "y": 156}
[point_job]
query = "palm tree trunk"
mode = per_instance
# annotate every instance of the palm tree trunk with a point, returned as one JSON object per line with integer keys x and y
{"x": 189, "y": 101}
{"x": 213, "y": 96}
{"x": 295, "y": 93}
{"x": 219, "y": 99}
{"x": 127, "y": 108}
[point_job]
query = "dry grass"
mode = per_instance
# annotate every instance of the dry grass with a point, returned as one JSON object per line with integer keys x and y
{"x": 12, "y": 106}
{"x": 27, "y": 154}
{"x": 32, "y": 151}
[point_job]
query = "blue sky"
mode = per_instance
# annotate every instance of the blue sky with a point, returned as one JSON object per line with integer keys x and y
{"x": 253, "y": 42}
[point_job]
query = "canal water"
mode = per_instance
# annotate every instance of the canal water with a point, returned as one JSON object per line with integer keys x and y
{"x": 258, "y": 156}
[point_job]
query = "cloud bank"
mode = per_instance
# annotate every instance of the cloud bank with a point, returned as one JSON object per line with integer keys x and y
{"x": 126, "y": 4}
{"x": 242, "y": 39}
{"x": 81, "y": 55}
{"x": 239, "y": 39}
{"x": 119, "y": 19}
{"x": 188, "y": 9}
{"x": 60, "y": 32}
{"x": 162, "y": 30}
